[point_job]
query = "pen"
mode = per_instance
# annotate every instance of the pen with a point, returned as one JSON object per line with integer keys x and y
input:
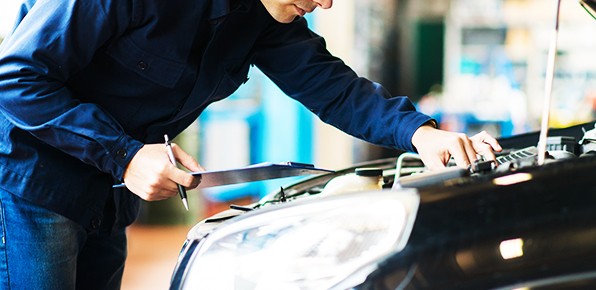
{"x": 181, "y": 189}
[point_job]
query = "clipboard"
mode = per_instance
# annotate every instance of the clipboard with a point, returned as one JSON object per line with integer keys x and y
{"x": 256, "y": 172}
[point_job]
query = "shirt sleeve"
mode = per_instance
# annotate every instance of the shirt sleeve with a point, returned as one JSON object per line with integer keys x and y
{"x": 296, "y": 59}
{"x": 53, "y": 41}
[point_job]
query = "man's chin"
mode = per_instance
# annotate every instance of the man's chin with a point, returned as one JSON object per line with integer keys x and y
{"x": 286, "y": 19}
{"x": 277, "y": 13}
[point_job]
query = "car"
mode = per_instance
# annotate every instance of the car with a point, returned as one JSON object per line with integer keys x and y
{"x": 516, "y": 225}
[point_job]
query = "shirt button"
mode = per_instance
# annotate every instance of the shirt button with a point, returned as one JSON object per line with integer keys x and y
{"x": 142, "y": 65}
{"x": 95, "y": 223}
{"x": 121, "y": 153}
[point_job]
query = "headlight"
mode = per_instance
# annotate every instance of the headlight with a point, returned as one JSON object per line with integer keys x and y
{"x": 309, "y": 244}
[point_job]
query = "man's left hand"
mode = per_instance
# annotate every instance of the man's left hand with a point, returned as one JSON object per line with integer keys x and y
{"x": 435, "y": 147}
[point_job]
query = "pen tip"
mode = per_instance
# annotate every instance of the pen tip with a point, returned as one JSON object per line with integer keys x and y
{"x": 185, "y": 203}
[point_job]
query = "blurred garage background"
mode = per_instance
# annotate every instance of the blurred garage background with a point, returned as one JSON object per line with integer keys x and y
{"x": 472, "y": 64}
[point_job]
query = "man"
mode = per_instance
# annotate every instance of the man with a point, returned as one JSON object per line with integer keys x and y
{"x": 89, "y": 88}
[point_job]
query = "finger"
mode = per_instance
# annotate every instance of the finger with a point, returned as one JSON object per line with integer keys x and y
{"x": 488, "y": 139}
{"x": 196, "y": 180}
{"x": 160, "y": 189}
{"x": 494, "y": 144}
{"x": 434, "y": 163}
{"x": 186, "y": 159}
{"x": 154, "y": 193}
{"x": 470, "y": 151}
{"x": 460, "y": 153}
{"x": 179, "y": 176}
{"x": 160, "y": 185}
{"x": 163, "y": 195}
{"x": 461, "y": 159}
{"x": 486, "y": 150}
{"x": 485, "y": 144}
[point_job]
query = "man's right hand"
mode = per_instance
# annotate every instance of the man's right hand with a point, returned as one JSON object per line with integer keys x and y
{"x": 152, "y": 176}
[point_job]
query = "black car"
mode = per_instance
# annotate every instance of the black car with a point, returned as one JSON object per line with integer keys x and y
{"x": 511, "y": 226}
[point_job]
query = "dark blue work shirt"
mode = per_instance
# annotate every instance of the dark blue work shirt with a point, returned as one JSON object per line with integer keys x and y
{"x": 84, "y": 84}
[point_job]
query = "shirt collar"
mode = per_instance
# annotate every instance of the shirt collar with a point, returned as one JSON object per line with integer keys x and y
{"x": 221, "y": 8}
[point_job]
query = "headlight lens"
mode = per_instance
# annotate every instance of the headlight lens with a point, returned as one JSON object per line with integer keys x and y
{"x": 314, "y": 244}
